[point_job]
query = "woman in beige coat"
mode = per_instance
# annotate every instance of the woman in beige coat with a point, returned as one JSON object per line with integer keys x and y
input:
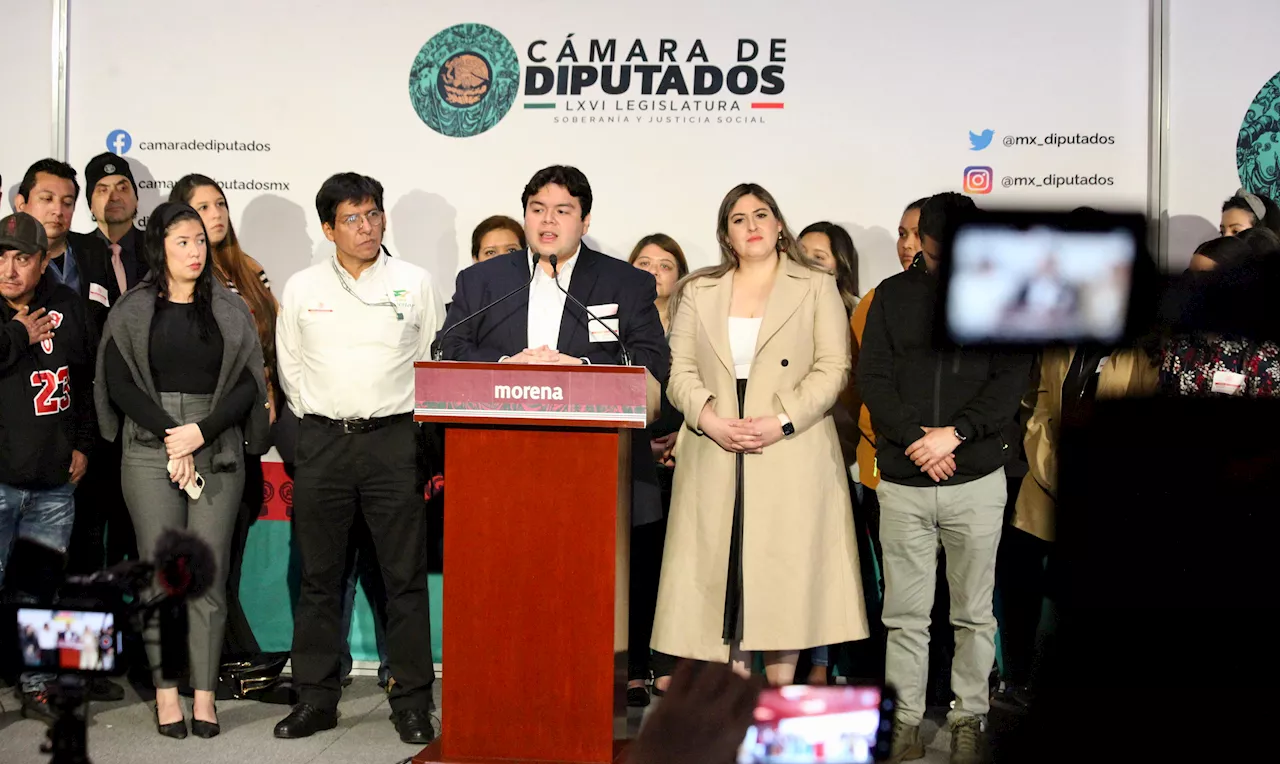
{"x": 760, "y": 552}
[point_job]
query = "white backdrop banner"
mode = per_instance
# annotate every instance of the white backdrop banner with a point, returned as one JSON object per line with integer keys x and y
{"x": 1224, "y": 114}
{"x": 846, "y": 111}
{"x": 26, "y": 128}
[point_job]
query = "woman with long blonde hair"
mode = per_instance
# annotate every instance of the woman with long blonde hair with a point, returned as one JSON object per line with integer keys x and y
{"x": 760, "y": 551}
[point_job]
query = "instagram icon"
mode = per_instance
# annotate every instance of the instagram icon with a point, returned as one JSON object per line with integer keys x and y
{"x": 977, "y": 180}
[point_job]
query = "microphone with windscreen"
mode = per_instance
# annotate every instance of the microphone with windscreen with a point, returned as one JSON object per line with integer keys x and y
{"x": 185, "y": 564}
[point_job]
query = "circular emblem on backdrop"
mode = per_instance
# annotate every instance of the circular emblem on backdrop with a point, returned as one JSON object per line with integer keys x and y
{"x": 1258, "y": 145}
{"x": 464, "y": 80}
{"x": 286, "y": 493}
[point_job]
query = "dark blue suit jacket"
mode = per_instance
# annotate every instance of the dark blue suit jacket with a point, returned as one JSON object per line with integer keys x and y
{"x": 597, "y": 280}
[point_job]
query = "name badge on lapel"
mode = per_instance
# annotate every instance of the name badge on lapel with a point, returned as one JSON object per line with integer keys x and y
{"x": 600, "y": 329}
{"x": 98, "y": 293}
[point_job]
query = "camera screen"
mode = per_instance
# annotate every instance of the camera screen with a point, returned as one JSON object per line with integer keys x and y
{"x": 1039, "y": 284}
{"x": 68, "y": 640}
{"x": 801, "y": 724}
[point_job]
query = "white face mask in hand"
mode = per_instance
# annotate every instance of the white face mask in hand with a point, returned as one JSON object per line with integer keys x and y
{"x": 195, "y": 487}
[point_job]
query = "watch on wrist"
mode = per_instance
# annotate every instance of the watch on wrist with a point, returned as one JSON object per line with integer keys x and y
{"x": 960, "y": 436}
{"x": 788, "y": 429}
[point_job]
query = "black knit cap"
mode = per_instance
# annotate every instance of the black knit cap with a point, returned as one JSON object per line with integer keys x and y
{"x": 104, "y": 165}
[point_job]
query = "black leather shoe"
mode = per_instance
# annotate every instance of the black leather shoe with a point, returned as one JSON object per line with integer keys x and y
{"x": 306, "y": 720}
{"x": 104, "y": 690}
{"x": 414, "y": 726}
{"x": 176, "y": 730}
{"x": 637, "y": 697}
{"x": 203, "y": 729}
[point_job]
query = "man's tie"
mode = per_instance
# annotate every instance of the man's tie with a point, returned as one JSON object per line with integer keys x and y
{"x": 118, "y": 265}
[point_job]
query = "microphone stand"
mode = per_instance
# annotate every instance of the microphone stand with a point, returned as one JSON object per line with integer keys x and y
{"x": 555, "y": 274}
{"x": 437, "y": 348}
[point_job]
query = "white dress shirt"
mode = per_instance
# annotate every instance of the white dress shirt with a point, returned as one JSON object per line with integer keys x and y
{"x": 546, "y": 303}
{"x": 345, "y": 347}
{"x": 47, "y": 639}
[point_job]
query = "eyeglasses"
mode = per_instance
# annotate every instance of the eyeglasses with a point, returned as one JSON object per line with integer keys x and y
{"x": 374, "y": 217}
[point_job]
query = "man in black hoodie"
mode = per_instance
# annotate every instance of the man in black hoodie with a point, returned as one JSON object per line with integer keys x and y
{"x": 944, "y": 424}
{"x": 47, "y": 424}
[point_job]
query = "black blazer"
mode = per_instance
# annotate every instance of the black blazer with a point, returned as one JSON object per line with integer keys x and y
{"x": 93, "y": 259}
{"x": 597, "y": 280}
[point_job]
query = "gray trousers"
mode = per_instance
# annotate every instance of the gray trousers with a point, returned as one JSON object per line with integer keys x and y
{"x": 968, "y": 518}
{"x": 156, "y": 504}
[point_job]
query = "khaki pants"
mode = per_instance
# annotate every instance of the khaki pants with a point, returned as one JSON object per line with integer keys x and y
{"x": 968, "y": 518}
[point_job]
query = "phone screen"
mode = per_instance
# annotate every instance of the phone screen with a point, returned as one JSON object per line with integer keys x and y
{"x": 68, "y": 640}
{"x": 1013, "y": 285}
{"x": 802, "y": 724}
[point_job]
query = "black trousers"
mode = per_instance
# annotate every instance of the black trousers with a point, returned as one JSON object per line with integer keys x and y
{"x": 864, "y": 660}
{"x": 376, "y": 475}
{"x": 646, "y": 569}
{"x": 239, "y": 641}
{"x": 1022, "y": 582}
{"x": 102, "y": 534}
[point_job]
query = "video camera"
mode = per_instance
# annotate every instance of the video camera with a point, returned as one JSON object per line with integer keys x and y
{"x": 75, "y": 627}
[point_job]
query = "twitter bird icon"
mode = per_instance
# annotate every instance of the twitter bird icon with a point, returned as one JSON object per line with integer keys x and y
{"x": 981, "y": 140}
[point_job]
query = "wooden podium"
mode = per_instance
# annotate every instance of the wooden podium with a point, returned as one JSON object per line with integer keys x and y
{"x": 537, "y": 529}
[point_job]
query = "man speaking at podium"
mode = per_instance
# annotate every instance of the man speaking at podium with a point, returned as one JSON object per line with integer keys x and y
{"x": 541, "y": 324}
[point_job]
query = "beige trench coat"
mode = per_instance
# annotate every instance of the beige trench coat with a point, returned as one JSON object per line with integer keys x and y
{"x": 801, "y": 583}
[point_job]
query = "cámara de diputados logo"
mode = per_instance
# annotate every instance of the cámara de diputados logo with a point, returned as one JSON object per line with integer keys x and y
{"x": 1258, "y": 142}
{"x": 464, "y": 80}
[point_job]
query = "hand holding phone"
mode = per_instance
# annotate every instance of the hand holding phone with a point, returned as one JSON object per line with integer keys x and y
{"x": 183, "y": 472}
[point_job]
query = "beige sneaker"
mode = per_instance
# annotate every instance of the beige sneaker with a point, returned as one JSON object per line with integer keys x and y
{"x": 968, "y": 741}
{"x": 907, "y": 745}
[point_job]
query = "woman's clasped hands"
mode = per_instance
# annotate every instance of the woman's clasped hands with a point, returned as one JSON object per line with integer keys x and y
{"x": 743, "y": 436}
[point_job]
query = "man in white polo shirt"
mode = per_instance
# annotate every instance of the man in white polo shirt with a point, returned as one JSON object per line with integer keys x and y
{"x": 347, "y": 335}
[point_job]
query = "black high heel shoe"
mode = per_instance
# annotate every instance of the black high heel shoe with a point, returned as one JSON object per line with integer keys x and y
{"x": 203, "y": 729}
{"x": 176, "y": 730}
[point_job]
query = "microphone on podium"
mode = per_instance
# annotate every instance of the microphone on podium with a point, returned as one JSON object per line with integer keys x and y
{"x": 626, "y": 356}
{"x": 437, "y": 348}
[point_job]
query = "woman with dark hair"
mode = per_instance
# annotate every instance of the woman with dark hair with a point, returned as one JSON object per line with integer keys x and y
{"x": 831, "y": 248}
{"x": 660, "y": 255}
{"x": 1261, "y": 241}
{"x": 180, "y": 363}
{"x": 1199, "y": 363}
{"x": 909, "y": 233}
{"x": 1245, "y": 210}
{"x": 760, "y": 551}
{"x": 497, "y": 235}
{"x": 246, "y": 277}
{"x": 866, "y": 476}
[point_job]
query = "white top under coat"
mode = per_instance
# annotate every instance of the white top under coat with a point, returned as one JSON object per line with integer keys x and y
{"x": 743, "y": 334}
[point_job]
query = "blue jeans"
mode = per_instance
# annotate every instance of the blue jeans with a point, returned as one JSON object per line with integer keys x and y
{"x": 44, "y": 516}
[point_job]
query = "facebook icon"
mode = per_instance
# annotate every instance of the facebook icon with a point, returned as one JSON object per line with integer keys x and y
{"x": 119, "y": 141}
